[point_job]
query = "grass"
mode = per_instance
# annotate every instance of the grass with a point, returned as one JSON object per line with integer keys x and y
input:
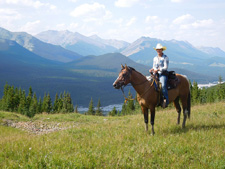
{"x": 118, "y": 142}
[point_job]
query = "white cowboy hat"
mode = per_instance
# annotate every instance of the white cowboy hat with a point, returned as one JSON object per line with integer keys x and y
{"x": 159, "y": 46}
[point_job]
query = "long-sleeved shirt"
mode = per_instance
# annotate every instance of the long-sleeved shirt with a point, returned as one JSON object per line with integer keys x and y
{"x": 161, "y": 63}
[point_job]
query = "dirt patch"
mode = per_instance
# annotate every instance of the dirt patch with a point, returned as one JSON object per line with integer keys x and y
{"x": 38, "y": 127}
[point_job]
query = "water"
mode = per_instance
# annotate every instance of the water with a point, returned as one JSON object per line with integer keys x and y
{"x": 105, "y": 109}
{"x": 208, "y": 85}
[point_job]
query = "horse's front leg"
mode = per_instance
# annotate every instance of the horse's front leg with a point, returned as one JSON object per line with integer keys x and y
{"x": 145, "y": 112}
{"x": 152, "y": 119}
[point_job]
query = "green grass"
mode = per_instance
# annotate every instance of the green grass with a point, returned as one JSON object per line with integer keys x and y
{"x": 118, "y": 142}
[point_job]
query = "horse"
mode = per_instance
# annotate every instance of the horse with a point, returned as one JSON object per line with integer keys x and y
{"x": 148, "y": 97}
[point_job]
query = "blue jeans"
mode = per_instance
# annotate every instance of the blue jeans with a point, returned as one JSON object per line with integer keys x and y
{"x": 163, "y": 79}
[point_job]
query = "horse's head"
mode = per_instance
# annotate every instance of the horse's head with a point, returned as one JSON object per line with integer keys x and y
{"x": 124, "y": 77}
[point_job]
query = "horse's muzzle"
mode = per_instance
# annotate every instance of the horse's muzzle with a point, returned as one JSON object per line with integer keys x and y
{"x": 118, "y": 85}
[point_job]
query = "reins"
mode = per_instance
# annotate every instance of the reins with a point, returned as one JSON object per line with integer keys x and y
{"x": 126, "y": 99}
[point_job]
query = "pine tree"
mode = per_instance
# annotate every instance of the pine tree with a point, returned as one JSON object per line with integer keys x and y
{"x": 99, "y": 110}
{"x": 23, "y": 106}
{"x": 40, "y": 105}
{"x": 91, "y": 110}
{"x": 56, "y": 104}
{"x": 47, "y": 104}
{"x": 76, "y": 109}
{"x": 33, "y": 109}
{"x": 113, "y": 112}
{"x": 130, "y": 103}
{"x": 29, "y": 97}
{"x": 70, "y": 107}
{"x": 195, "y": 93}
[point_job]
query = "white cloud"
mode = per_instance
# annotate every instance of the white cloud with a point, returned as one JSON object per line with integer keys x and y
{"x": 31, "y": 3}
{"x": 131, "y": 21}
{"x": 203, "y": 23}
{"x": 183, "y": 19}
{"x": 9, "y": 14}
{"x": 88, "y": 9}
{"x": 31, "y": 27}
{"x": 177, "y": 1}
{"x": 125, "y": 3}
{"x": 150, "y": 19}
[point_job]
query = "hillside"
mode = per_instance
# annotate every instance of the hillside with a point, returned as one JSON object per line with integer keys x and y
{"x": 79, "y": 141}
{"x": 76, "y": 42}
{"x": 181, "y": 54}
{"x": 45, "y": 50}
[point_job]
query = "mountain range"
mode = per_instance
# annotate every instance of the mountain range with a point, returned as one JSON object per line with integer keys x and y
{"x": 50, "y": 66}
{"x": 45, "y": 50}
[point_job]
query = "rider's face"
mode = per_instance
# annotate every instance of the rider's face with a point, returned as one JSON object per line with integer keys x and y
{"x": 159, "y": 51}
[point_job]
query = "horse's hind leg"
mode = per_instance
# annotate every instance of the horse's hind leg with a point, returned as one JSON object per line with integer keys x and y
{"x": 178, "y": 108}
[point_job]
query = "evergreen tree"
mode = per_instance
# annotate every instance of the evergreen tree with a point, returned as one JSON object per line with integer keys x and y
{"x": 91, "y": 110}
{"x": 56, "y": 104}
{"x": 76, "y": 109}
{"x": 195, "y": 93}
{"x": 220, "y": 89}
{"x": 60, "y": 103}
{"x": 70, "y": 107}
{"x": 40, "y": 105}
{"x": 113, "y": 112}
{"x": 23, "y": 106}
{"x": 130, "y": 103}
{"x": 33, "y": 109}
{"x": 47, "y": 104}
{"x": 99, "y": 110}
{"x": 29, "y": 97}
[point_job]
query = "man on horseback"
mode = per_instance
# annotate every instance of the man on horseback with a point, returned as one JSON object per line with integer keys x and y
{"x": 160, "y": 66}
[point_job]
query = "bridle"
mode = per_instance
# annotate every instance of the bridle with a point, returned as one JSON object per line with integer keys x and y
{"x": 127, "y": 76}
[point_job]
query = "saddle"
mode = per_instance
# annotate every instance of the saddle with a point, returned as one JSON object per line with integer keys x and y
{"x": 172, "y": 83}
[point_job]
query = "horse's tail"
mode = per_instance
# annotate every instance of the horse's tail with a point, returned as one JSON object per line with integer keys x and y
{"x": 189, "y": 105}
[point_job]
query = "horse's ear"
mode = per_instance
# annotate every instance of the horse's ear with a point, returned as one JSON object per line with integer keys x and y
{"x": 122, "y": 66}
{"x": 126, "y": 67}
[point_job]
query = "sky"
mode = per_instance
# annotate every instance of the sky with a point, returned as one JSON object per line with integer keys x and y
{"x": 200, "y": 22}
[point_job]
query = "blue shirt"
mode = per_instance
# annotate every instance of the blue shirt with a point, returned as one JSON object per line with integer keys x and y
{"x": 161, "y": 63}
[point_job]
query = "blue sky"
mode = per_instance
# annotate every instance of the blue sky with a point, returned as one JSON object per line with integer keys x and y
{"x": 202, "y": 23}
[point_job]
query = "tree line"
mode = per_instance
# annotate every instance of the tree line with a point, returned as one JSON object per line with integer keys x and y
{"x": 16, "y": 100}
{"x": 207, "y": 95}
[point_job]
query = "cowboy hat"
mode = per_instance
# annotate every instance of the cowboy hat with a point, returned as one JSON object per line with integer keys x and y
{"x": 159, "y": 46}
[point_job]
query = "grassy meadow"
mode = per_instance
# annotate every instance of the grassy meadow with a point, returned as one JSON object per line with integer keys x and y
{"x": 115, "y": 142}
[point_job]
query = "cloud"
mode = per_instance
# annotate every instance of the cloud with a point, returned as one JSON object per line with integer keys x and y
{"x": 9, "y": 14}
{"x": 131, "y": 21}
{"x": 31, "y": 27}
{"x": 177, "y": 1}
{"x": 125, "y": 3}
{"x": 88, "y": 9}
{"x": 203, "y": 23}
{"x": 31, "y": 3}
{"x": 150, "y": 19}
{"x": 183, "y": 19}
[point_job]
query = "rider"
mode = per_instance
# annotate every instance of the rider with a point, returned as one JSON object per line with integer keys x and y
{"x": 160, "y": 66}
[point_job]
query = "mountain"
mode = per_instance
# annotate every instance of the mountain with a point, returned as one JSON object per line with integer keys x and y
{"x": 181, "y": 54}
{"x": 76, "y": 42}
{"x": 38, "y": 47}
{"x": 118, "y": 44}
{"x": 212, "y": 51}
{"x": 12, "y": 53}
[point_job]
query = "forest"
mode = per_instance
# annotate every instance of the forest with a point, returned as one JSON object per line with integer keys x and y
{"x": 16, "y": 100}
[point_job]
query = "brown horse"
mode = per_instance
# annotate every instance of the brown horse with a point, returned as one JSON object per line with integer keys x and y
{"x": 148, "y": 97}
